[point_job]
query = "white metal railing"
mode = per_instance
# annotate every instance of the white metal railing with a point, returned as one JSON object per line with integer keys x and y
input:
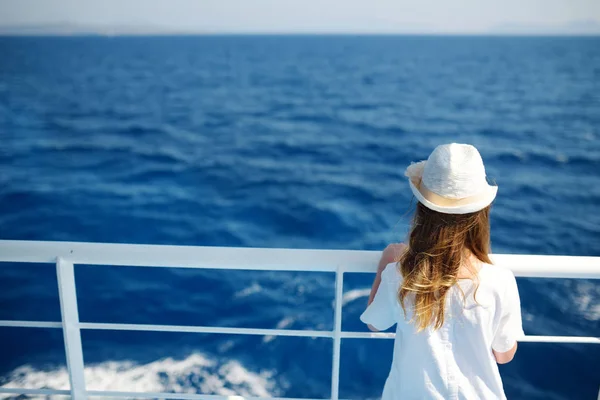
{"x": 66, "y": 254}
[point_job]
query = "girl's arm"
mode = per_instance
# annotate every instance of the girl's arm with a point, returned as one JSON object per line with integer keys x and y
{"x": 391, "y": 253}
{"x": 507, "y": 356}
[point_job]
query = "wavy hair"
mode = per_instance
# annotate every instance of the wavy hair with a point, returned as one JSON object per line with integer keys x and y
{"x": 439, "y": 245}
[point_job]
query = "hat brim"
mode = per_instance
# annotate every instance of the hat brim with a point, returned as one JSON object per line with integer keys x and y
{"x": 483, "y": 200}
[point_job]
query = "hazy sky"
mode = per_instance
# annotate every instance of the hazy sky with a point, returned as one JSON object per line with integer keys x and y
{"x": 444, "y": 16}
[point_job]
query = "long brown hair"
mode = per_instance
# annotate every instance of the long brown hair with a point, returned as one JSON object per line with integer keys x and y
{"x": 438, "y": 246}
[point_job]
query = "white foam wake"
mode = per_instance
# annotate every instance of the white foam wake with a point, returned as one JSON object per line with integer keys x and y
{"x": 284, "y": 323}
{"x": 255, "y": 288}
{"x": 354, "y": 294}
{"x": 585, "y": 296}
{"x": 194, "y": 374}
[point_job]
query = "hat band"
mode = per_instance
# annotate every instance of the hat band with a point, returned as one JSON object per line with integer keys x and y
{"x": 446, "y": 202}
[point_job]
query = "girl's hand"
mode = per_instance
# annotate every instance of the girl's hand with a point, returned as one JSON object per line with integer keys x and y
{"x": 391, "y": 253}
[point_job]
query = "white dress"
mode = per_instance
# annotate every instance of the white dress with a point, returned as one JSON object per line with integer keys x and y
{"x": 456, "y": 361}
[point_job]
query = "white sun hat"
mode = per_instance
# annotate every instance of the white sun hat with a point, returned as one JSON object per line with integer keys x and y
{"x": 452, "y": 180}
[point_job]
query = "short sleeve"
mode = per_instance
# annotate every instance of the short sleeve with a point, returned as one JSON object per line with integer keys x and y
{"x": 382, "y": 313}
{"x": 510, "y": 325}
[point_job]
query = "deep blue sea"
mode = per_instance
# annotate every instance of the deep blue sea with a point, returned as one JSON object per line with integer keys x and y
{"x": 283, "y": 141}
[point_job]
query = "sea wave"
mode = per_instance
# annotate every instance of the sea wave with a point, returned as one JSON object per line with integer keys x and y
{"x": 197, "y": 373}
{"x": 292, "y": 142}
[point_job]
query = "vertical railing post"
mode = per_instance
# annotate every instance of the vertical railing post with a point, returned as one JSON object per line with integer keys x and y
{"x": 70, "y": 321}
{"x": 337, "y": 330}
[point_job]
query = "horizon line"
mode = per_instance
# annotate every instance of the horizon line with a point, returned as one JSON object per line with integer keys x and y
{"x": 298, "y": 33}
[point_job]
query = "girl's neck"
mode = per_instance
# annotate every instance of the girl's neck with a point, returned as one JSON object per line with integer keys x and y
{"x": 470, "y": 267}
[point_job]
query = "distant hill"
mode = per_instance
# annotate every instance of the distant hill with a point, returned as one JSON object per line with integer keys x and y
{"x": 68, "y": 29}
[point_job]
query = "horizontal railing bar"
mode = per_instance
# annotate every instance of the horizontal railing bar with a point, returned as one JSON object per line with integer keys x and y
{"x": 34, "y": 391}
{"x": 267, "y": 332}
{"x": 274, "y": 259}
{"x": 205, "y": 329}
{"x": 170, "y": 328}
{"x": 367, "y": 335}
{"x": 30, "y": 324}
{"x": 142, "y": 395}
{"x": 183, "y": 256}
{"x": 549, "y": 266}
{"x": 186, "y": 396}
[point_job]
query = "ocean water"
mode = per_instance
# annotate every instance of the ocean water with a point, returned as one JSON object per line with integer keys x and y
{"x": 283, "y": 141}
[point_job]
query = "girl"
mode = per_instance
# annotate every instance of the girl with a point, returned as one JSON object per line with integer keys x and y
{"x": 457, "y": 315}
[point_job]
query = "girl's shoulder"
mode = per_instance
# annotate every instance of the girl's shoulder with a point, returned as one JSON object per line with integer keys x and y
{"x": 497, "y": 273}
{"x": 498, "y": 280}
